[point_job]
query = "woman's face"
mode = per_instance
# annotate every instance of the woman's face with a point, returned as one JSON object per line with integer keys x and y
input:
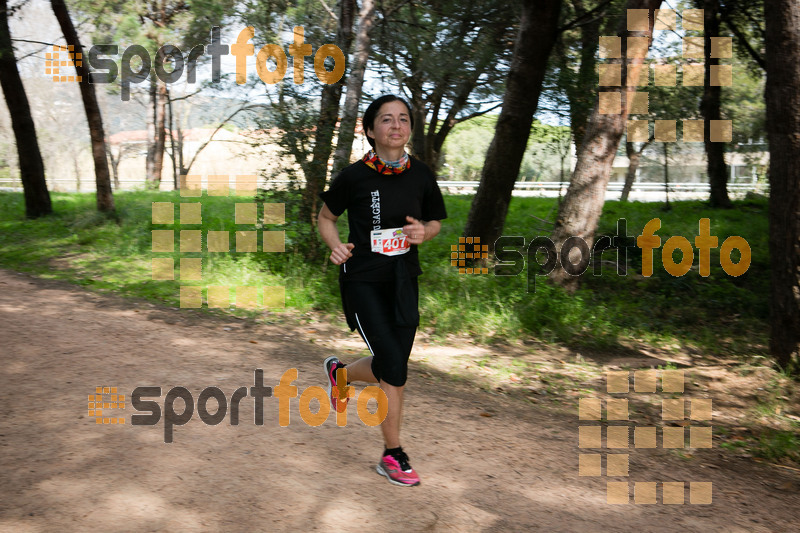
{"x": 392, "y": 126}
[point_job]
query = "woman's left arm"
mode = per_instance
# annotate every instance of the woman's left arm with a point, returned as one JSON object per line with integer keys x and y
{"x": 419, "y": 231}
{"x": 432, "y": 228}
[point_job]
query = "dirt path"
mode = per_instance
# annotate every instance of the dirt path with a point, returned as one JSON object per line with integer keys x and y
{"x": 487, "y": 462}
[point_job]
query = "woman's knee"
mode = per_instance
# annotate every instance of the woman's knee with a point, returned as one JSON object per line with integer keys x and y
{"x": 394, "y": 373}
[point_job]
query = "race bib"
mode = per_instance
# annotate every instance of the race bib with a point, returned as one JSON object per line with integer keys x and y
{"x": 390, "y": 241}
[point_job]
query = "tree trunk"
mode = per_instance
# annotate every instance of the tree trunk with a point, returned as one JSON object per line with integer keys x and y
{"x": 156, "y": 131}
{"x": 161, "y": 132}
{"x": 537, "y": 34}
{"x": 31, "y": 167}
{"x": 355, "y": 82}
{"x": 182, "y": 170}
{"x": 783, "y": 131}
{"x": 328, "y": 113}
{"x": 77, "y": 168}
{"x": 583, "y": 203}
{"x": 710, "y": 109}
{"x": 174, "y": 156}
{"x": 420, "y": 112}
{"x": 667, "y": 207}
{"x": 105, "y": 199}
{"x": 150, "y": 120}
{"x": 580, "y": 100}
{"x": 114, "y": 162}
{"x": 116, "y": 175}
{"x": 634, "y": 159}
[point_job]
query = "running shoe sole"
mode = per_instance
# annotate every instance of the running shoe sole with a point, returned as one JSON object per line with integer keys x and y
{"x": 379, "y": 468}
{"x": 331, "y": 380}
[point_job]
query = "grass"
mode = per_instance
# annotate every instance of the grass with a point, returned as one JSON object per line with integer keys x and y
{"x": 767, "y": 429}
{"x": 718, "y": 314}
{"x": 778, "y": 446}
{"x": 775, "y": 445}
{"x": 715, "y": 314}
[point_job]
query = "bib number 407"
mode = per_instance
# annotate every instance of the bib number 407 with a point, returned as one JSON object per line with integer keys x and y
{"x": 390, "y": 241}
{"x": 394, "y": 245}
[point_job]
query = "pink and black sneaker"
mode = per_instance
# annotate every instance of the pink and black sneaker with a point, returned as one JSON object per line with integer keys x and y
{"x": 332, "y": 364}
{"x": 397, "y": 470}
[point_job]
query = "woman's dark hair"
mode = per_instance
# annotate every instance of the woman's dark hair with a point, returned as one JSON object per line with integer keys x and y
{"x": 368, "y": 122}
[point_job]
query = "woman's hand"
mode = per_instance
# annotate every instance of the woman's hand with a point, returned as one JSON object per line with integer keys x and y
{"x": 415, "y": 230}
{"x": 341, "y": 253}
{"x": 326, "y": 223}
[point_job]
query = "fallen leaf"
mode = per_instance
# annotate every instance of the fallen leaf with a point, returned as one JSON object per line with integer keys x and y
{"x": 254, "y": 342}
{"x": 487, "y": 415}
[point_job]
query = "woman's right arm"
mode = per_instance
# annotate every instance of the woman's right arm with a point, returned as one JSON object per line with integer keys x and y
{"x": 326, "y": 222}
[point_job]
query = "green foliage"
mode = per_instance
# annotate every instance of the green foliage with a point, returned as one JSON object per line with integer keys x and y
{"x": 299, "y": 234}
{"x": 571, "y": 79}
{"x": 449, "y": 57}
{"x": 743, "y": 103}
{"x": 465, "y": 149}
{"x": 294, "y": 113}
{"x": 180, "y": 23}
{"x": 183, "y": 24}
{"x": 776, "y": 445}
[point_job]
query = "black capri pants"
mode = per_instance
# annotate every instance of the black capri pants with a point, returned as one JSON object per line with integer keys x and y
{"x": 373, "y": 309}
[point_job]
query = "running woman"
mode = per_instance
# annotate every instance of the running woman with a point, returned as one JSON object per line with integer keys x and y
{"x": 394, "y": 204}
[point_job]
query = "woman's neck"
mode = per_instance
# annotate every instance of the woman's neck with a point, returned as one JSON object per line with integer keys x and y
{"x": 390, "y": 154}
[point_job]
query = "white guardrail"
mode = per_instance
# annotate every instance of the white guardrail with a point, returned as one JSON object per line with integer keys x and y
{"x": 615, "y": 186}
{"x": 453, "y": 187}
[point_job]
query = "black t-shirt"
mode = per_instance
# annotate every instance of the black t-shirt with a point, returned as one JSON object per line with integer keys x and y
{"x": 378, "y": 201}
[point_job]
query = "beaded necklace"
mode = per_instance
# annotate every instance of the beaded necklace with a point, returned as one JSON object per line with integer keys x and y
{"x": 387, "y": 168}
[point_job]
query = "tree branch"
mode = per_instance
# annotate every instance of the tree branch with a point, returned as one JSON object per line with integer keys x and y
{"x": 221, "y": 124}
{"x": 389, "y": 12}
{"x": 331, "y": 13}
{"x": 742, "y": 39}
{"x": 185, "y": 96}
{"x": 34, "y": 42}
{"x": 575, "y": 22}
{"x": 477, "y": 113}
